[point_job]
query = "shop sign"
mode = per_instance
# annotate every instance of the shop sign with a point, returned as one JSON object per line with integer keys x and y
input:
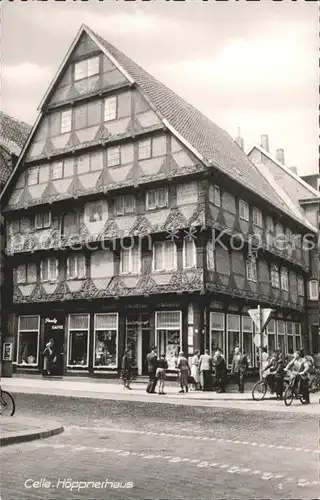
{"x": 216, "y": 305}
{"x": 168, "y": 305}
{"x": 7, "y": 351}
{"x": 53, "y": 324}
{"x": 135, "y": 306}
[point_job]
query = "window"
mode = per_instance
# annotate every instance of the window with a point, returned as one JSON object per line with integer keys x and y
{"x": 210, "y": 255}
{"x": 281, "y": 336}
{"x": 144, "y": 149}
{"x": 15, "y": 226}
{"x": 284, "y": 280}
{"x": 95, "y": 211}
{"x": 106, "y": 340}
{"x": 247, "y": 339}
{"x": 86, "y": 68}
{"x": 216, "y": 332}
{"x": 215, "y": 195}
{"x": 297, "y": 334}
{"x": 243, "y": 210}
{"x": 189, "y": 254}
{"x": 270, "y": 224}
{"x": 233, "y": 335}
{"x": 76, "y": 267}
{"x": 113, "y": 155}
{"x": 169, "y": 335}
{"x": 289, "y": 328}
{"x": 271, "y": 331}
{"x": 49, "y": 269}
{"x": 124, "y": 204}
{"x": 110, "y": 109}
{"x": 28, "y": 340}
{"x": 313, "y": 290}
{"x": 62, "y": 169}
{"x": 187, "y": 193}
{"x": 42, "y": 220}
{"x": 275, "y": 280}
{"x": 251, "y": 267}
{"x": 136, "y": 323}
{"x": 66, "y": 117}
{"x": 27, "y": 273}
{"x": 70, "y": 225}
{"x": 300, "y": 286}
{"x": 130, "y": 260}
{"x": 89, "y": 163}
{"x": 164, "y": 256}
{"x": 33, "y": 176}
{"x": 257, "y": 217}
{"x": 158, "y": 198}
{"x": 78, "y": 340}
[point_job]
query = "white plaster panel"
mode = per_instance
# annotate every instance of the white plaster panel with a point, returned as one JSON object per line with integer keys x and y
{"x": 119, "y": 174}
{"x": 75, "y": 285}
{"x": 117, "y": 127}
{"x": 182, "y": 159}
{"x": 60, "y": 141}
{"x": 50, "y": 288}
{"x": 87, "y": 134}
{"x": 148, "y": 119}
{"x": 101, "y": 283}
{"x": 62, "y": 185}
{"x": 102, "y": 264}
{"x": 26, "y": 290}
{"x": 151, "y": 166}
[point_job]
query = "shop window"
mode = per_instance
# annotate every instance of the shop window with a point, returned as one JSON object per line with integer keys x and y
{"x": 26, "y": 273}
{"x": 42, "y": 220}
{"x": 281, "y": 336}
{"x": 130, "y": 260}
{"x": 33, "y": 176}
{"x": 95, "y": 211}
{"x": 49, "y": 269}
{"x": 313, "y": 290}
{"x": 124, "y": 204}
{"x": 300, "y": 286}
{"x": 113, "y": 156}
{"x": 243, "y": 210}
{"x": 110, "y": 109}
{"x": 216, "y": 332}
{"x": 247, "y": 339}
{"x": 210, "y": 255}
{"x": 76, "y": 267}
{"x": 271, "y": 331}
{"x": 164, "y": 256}
{"x": 215, "y": 195}
{"x": 251, "y": 269}
{"x": 289, "y": 328}
{"x": 275, "y": 280}
{"x": 28, "y": 340}
{"x": 187, "y": 193}
{"x": 169, "y": 335}
{"x": 106, "y": 340}
{"x": 189, "y": 254}
{"x": 66, "y": 119}
{"x": 233, "y": 335}
{"x": 157, "y": 198}
{"x": 297, "y": 334}
{"x": 144, "y": 149}
{"x": 78, "y": 340}
{"x": 284, "y": 279}
{"x": 86, "y": 68}
{"x": 257, "y": 217}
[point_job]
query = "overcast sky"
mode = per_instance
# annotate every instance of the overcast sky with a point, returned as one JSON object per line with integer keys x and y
{"x": 248, "y": 65}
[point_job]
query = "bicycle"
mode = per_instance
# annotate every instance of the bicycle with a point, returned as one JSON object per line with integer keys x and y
{"x": 292, "y": 392}
{"x": 7, "y": 404}
{"x": 260, "y": 390}
{"x": 314, "y": 384}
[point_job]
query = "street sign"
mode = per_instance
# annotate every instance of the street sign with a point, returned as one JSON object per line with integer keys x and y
{"x": 265, "y": 317}
{"x": 257, "y": 340}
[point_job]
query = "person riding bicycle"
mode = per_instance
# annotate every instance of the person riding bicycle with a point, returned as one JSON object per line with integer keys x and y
{"x": 295, "y": 365}
{"x": 271, "y": 366}
{"x": 304, "y": 375}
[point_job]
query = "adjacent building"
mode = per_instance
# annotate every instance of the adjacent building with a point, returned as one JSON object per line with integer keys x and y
{"x": 133, "y": 220}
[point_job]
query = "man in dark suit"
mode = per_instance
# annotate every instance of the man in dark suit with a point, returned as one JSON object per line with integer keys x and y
{"x": 152, "y": 369}
{"x": 239, "y": 367}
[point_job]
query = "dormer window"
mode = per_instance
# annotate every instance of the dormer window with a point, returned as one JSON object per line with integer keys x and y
{"x": 86, "y": 68}
{"x": 243, "y": 210}
{"x": 42, "y": 220}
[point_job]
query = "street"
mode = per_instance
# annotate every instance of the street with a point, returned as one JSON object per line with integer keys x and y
{"x": 134, "y": 450}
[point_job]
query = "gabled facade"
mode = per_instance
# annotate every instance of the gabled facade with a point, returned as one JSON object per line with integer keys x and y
{"x": 303, "y": 193}
{"x": 124, "y": 216}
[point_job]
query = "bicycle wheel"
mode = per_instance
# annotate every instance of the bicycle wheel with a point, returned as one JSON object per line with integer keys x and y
{"x": 288, "y": 396}
{"x": 8, "y": 406}
{"x": 303, "y": 400}
{"x": 259, "y": 391}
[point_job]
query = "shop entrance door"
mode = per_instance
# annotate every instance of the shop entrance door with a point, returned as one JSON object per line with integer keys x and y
{"x": 54, "y": 330}
{"x": 138, "y": 340}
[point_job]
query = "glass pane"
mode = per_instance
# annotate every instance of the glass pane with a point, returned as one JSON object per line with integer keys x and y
{"x": 151, "y": 199}
{"x": 28, "y": 348}
{"x": 43, "y": 173}
{"x": 290, "y": 344}
{"x": 248, "y": 347}
{"x": 271, "y": 344}
{"x": 281, "y": 343}
{"x": 80, "y": 70}
{"x": 297, "y": 328}
{"x": 31, "y": 272}
{"x": 110, "y": 109}
{"x": 169, "y": 255}
{"x": 125, "y": 261}
{"x": 217, "y": 320}
{"x": 57, "y": 170}
{"x": 189, "y": 254}
{"x": 78, "y": 350}
{"x": 106, "y": 348}
{"x": 135, "y": 260}
{"x": 271, "y": 328}
{"x": 233, "y": 322}
{"x": 281, "y": 327}
{"x": 233, "y": 342}
{"x": 128, "y": 204}
{"x": 21, "y": 273}
{"x": 132, "y": 344}
{"x": 168, "y": 319}
{"x": 158, "y": 256}
{"x": 79, "y": 321}
{"x": 28, "y": 323}
{"x": 144, "y": 149}
{"x": 172, "y": 347}
{"x": 92, "y": 66}
{"x": 298, "y": 342}
{"x": 246, "y": 324}
{"x": 289, "y": 328}
{"x": 106, "y": 321}
{"x": 216, "y": 340}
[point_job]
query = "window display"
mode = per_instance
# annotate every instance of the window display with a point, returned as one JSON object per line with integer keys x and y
{"x": 247, "y": 340}
{"x": 216, "y": 331}
{"x": 233, "y": 335}
{"x": 78, "y": 340}
{"x": 169, "y": 338}
{"x": 28, "y": 340}
{"x": 106, "y": 340}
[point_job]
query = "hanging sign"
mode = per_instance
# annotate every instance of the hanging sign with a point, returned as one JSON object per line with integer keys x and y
{"x": 257, "y": 340}
{"x": 7, "y": 351}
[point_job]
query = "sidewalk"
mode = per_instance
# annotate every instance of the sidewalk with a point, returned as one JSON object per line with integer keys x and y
{"x": 20, "y": 429}
{"x": 100, "y": 389}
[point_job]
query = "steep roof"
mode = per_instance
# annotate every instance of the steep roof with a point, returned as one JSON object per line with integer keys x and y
{"x": 211, "y": 144}
{"x": 13, "y": 135}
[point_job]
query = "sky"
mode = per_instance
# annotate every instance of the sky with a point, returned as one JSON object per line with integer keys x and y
{"x": 247, "y": 65}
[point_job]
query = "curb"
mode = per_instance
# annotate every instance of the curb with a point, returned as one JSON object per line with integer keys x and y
{"x": 25, "y": 436}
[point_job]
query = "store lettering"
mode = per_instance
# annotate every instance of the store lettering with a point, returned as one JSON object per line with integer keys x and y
{"x": 53, "y": 320}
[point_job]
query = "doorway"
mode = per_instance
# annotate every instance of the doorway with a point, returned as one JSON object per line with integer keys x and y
{"x": 138, "y": 340}
{"x": 54, "y": 329}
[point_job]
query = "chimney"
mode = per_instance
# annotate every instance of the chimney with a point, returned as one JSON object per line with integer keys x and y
{"x": 280, "y": 155}
{"x": 294, "y": 170}
{"x": 239, "y": 139}
{"x": 265, "y": 142}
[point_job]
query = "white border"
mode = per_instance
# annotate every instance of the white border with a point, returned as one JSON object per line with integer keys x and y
{"x": 104, "y": 329}
{"x": 27, "y": 331}
{"x": 88, "y": 339}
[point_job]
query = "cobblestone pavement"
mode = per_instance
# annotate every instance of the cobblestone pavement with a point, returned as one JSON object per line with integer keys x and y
{"x": 166, "y": 451}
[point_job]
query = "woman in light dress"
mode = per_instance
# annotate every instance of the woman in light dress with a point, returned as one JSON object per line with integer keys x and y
{"x": 195, "y": 372}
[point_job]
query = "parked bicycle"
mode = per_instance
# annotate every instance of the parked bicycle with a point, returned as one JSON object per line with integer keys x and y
{"x": 292, "y": 391}
{"x": 7, "y": 404}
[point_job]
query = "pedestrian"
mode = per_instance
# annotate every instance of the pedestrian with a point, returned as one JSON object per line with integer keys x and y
{"x": 220, "y": 365}
{"x": 205, "y": 367}
{"x": 279, "y": 376}
{"x": 239, "y": 368}
{"x": 304, "y": 374}
{"x": 195, "y": 372}
{"x": 152, "y": 369}
{"x": 126, "y": 367}
{"x": 162, "y": 366}
{"x": 184, "y": 371}
{"x": 48, "y": 357}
